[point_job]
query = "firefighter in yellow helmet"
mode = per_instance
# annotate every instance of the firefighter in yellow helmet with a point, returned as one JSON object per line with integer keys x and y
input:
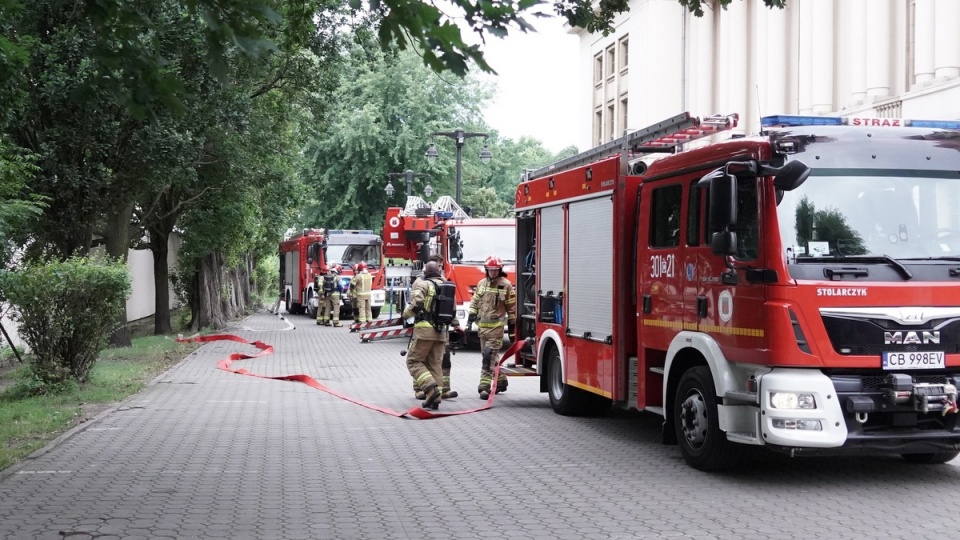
{"x": 428, "y": 344}
{"x": 360, "y": 288}
{"x": 494, "y": 304}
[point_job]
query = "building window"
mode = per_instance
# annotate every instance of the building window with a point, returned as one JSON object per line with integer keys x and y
{"x": 598, "y": 69}
{"x": 624, "y": 54}
{"x": 611, "y": 61}
{"x": 611, "y": 125}
{"x": 665, "y": 216}
{"x": 624, "y": 126}
{"x": 597, "y": 127}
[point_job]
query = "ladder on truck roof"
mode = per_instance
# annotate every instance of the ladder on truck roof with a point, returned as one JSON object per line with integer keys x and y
{"x": 445, "y": 205}
{"x": 664, "y": 136}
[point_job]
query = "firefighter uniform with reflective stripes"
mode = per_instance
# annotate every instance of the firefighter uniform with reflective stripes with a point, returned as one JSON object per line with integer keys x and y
{"x": 329, "y": 313}
{"x": 427, "y": 346}
{"x": 360, "y": 288}
{"x": 448, "y": 393}
{"x": 493, "y": 301}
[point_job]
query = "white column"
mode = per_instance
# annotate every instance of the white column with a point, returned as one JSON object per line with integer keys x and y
{"x": 924, "y": 22}
{"x": 855, "y": 66}
{"x": 822, "y": 51}
{"x": 733, "y": 63}
{"x": 947, "y": 48}
{"x": 702, "y": 64}
{"x": 878, "y": 48}
{"x": 774, "y": 76}
{"x": 804, "y": 57}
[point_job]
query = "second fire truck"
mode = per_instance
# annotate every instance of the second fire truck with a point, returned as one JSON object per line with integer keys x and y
{"x": 797, "y": 290}
{"x": 421, "y": 229}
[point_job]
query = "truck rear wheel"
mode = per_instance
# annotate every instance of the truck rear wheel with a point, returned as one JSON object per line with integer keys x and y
{"x": 697, "y": 425}
{"x": 931, "y": 459}
{"x": 375, "y": 311}
{"x": 568, "y": 400}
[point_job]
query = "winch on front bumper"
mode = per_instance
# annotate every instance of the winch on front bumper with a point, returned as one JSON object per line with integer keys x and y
{"x": 899, "y": 412}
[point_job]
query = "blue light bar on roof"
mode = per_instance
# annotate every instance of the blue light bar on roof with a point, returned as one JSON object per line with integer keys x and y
{"x": 342, "y": 231}
{"x": 784, "y": 120}
{"x": 444, "y": 215}
{"x": 793, "y": 121}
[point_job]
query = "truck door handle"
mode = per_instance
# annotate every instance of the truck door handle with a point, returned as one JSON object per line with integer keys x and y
{"x": 647, "y": 303}
{"x": 702, "y": 307}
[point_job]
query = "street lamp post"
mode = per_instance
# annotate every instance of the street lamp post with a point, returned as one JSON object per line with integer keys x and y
{"x": 408, "y": 175}
{"x": 459, "y": 137}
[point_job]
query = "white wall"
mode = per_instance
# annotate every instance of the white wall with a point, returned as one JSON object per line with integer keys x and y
{"x": 141, "y": 302}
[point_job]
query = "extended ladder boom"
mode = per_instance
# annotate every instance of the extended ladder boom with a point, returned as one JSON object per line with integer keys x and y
{"x": 664, "y": 136}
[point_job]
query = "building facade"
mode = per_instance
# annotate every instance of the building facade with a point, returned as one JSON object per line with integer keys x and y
{"x": 873, "y": 58}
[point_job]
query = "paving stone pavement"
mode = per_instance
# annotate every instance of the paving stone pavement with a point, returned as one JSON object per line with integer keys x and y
{"x": 203, "y": 453}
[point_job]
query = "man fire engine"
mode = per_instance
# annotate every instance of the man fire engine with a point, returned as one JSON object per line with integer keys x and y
{"x": 303, "y": 255}
{"x": 797, "y": 290}
{"x": 421, "y": 229}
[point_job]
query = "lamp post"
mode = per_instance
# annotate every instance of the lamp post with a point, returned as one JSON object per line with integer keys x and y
{"x": 459, "y": 137}
{"x": 408, "y": 175}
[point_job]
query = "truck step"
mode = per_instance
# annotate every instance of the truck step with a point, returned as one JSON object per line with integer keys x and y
{"x": 744, "y": 397}
{"x": 654, "y": 410}
{"x": 381, "y": 323}
{"x": 385, "y": 334}
{"x": 518, "y": 371}
{"x": 743, "y": 437}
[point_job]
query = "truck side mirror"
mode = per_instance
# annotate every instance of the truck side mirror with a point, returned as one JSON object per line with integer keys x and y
{"x": 723, "y": 201}
{"x": 791, "y": 176}
{"x": 724, "y": 243}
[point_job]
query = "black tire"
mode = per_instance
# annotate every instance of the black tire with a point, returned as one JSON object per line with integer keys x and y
{"x": 375, "y": 311}
{"x": 286, "y": 300}
{"x": 697, "y": 425}
{"x": 935, "y": 458}
{"x": 311, "y": 311}
{"x": 567, "y": 400}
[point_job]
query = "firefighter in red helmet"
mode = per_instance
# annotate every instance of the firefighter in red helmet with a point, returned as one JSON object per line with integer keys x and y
{"x": 493, "y": 306}
{"x": 360, "y": 288}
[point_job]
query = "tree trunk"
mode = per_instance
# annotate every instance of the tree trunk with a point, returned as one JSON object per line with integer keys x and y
{"x": 117, "y": 243}
{"x": 159, "y": 246}
{"x": 209, "y": 304}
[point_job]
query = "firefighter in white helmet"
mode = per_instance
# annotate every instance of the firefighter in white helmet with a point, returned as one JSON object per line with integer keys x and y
{"x": 494, "y": 305}
{"x": 332, "y": 289}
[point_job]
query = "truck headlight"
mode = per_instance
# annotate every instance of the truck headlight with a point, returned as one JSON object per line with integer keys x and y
{"x": 804, "y": 424}
{"x": 792, "y": 400}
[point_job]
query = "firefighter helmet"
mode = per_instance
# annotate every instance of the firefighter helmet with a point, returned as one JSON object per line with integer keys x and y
{"x": 336, "y": 269}
{"x": 493, "y": 263}
{"x": 361, "y": 266}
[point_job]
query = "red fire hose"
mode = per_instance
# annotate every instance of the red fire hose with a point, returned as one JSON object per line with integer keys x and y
{"x": 415, "y": 412}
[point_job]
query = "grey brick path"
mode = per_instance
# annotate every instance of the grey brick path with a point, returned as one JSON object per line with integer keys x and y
{"x": 207, "y": 454}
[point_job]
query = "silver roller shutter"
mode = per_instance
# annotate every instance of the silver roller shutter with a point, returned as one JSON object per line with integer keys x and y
{"x": 551, "y": 250}
{"x": 590, "y": 269}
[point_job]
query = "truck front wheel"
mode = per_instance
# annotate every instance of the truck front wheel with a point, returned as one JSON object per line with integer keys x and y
{"x": 697, "y": 426}
{"x": 568, "y": 400}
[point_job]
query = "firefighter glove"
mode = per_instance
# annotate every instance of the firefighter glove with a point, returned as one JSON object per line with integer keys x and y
{"x": 472, "y": 318}
{"x": 512, "y": 328}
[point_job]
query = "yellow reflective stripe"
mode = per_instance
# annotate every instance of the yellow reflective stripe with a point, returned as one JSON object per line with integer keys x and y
{"x": 490, "y": 324}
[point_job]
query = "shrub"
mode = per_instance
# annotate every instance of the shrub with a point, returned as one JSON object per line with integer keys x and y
{"x": 66, "y": 312}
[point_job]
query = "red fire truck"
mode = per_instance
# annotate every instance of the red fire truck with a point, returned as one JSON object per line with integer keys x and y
{"x": 421, "y": 229}
{"x": 304, "y": 255}
{"x": 798, "y": 290}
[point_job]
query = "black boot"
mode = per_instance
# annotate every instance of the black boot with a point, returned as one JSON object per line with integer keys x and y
{"x": 432, "y": 400}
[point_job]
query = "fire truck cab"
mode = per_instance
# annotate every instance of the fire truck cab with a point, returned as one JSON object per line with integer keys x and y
{"x": 421, "y": 229}
{"x": 798, "y": 290}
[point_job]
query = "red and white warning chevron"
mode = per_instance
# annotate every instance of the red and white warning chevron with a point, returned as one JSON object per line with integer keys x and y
{"x": 380, "y": 323}
{"x": 385, "y": 334}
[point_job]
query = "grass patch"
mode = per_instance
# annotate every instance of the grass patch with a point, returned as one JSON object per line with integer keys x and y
{"x": 28, "y": 422}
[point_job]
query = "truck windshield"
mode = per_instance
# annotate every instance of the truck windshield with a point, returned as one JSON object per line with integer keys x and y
{"x": 847, "y": 212}
{"x": 479, "y": 242}
{"x": 354, "y": 253}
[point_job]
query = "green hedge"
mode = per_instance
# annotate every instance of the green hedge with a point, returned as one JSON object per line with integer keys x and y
{"x": 66, "y": 312}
